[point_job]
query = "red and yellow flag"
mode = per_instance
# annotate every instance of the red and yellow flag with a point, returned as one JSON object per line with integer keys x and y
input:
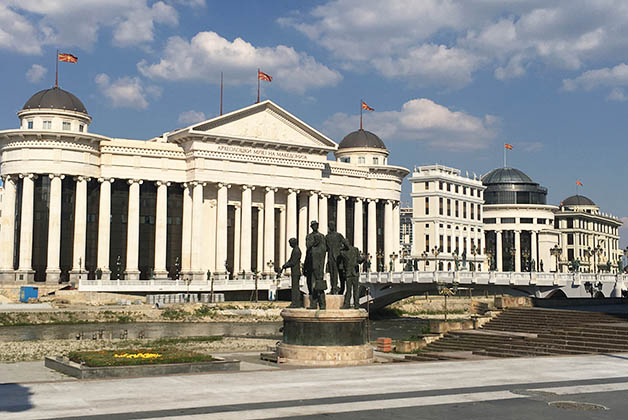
{"x": 263, "y": 76}
{"x": 579, "y": 183}
{"x": 68, "y": 58}
{"x": 508, "y": 146}
{"x": 366, "y": 107}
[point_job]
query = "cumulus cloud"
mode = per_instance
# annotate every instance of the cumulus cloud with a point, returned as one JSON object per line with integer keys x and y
{"x": 36, "y": 73}
{"x": 396, "y": 37}
{"x": 604, "y": 77}
{"x": 126, "y": 92}
{"x": 28, "y": 25}
{"x": 618, "y": 95}
{"x": 191, "y": 117}
{"x": 207, "y": 53}
{"x": 423, "y": 120}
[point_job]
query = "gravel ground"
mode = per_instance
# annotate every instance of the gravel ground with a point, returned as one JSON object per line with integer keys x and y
{"x": 19, "y": 351}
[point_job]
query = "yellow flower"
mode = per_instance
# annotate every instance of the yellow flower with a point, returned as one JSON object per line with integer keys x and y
{"x": 137, "y": 355}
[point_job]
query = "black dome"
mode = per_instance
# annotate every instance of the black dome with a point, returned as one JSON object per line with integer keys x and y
{"x": 55, "y": 98}
{"x": 578, "y": 200}
{"x": 506, "y": 176}
{"x": 362, "y": 138}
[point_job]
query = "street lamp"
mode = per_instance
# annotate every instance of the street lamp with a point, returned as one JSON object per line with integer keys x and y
{"x": 556, "y": 251}
{"x": 526, "y": 260}
{"x": 379, "y": 259}
{"x": 513, "y": 253}
{"x": 424, "y": 256}
{"x": 393, "y": 258}
{"x": 435, "y": 251}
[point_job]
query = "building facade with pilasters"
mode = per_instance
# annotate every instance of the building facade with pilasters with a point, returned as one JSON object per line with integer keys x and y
{"x": 220, "y": 197}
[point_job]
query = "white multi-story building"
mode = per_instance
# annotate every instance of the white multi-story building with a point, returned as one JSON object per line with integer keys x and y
{"x": 222, "y": 196}
{"x": 405, "y": 234}
{"x": 587, "y": 235}
{"x": 447, "y": 219}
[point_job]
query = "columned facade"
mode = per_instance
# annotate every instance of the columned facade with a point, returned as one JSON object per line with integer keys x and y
{"x": 214, "y": 199}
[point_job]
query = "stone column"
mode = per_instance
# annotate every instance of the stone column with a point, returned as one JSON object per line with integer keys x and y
{"x": 396, "y": 235}
{"x": 291, "y": 218}
{"x": 7, "y": 230}
{"x": 186, "y": 230}
{"x": 25, "y": 269}
{"x": 53, "y": 272}
{"x": 197, "y": 231}
{"x": 372, "y": 232}
{"x": 104, "y": 227}
{"x": 209, "y": 221}
{"x": 221, "y": 229}
{"x": 269, "y": 229}
{"x": 282, "y": 236}
{"x": 388, "y": 233}
{"x": 303, "y": 221}
{"x": 132, "y": 271}
{"x": 498, "y": 251}
{"x": 322, "y": 214}
{"x": 161, "y": 230}
{"x": 313, "y": 209}
{"x": 533, "y": 255}
{"x": 358, "y": 236}
{"x": 341, "y": 215}
{"x": 80, "y": 228}
{"x": 236, "y": 240}
{"x": 517, "y": 251}
{"x": 260, "y": 239}
{"x": 247, "y": 224}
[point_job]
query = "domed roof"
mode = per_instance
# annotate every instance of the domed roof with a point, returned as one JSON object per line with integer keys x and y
{"x": 578, "y": 200}
{"x": 56, "y": 98}
{"x": 506, "y": 176}
{"x": 362, "y": 138}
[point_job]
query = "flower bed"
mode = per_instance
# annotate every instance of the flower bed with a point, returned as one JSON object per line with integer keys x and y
{"x": 133, "y": 357}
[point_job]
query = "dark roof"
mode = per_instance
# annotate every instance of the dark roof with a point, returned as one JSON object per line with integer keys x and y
{"x": 578, "y": 200}
{"x": 55, "y": 98}
{"x": 506, "y": 176}
{"x": 361, "y": 138}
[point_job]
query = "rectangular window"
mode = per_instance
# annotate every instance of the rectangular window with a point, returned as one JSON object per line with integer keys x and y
{"x": 526, "y": 220}
{"x": 569, "y": 223}
{"x": 440, "y": 206}
{"x": 82, "y": 127}
{"x": 479, "y": 245}
{"x": 29, "y": 124}
{"x": 472, "y": 211}
{"x": 464, "y": 210}
{"x": 570, "y": 239}
{"x": 479, "y": 212}
{"x": 427, "y": 205}
{"x": 375, "y": 161}
{"x": 427, "y": 243}
{"x": 66, "y": 125}
{"x": 440, "y": 244}
{"x": 361, "y": 159}
{"x": 448, "y": 207}
{"x": 449, "y": 244}
{"x": 464, "y": 190}
{"x": 440, "y": 185}
{"x": 457, "y": 247}
{"x": 490, "y": 221}
{"x": 47, "y": 125}
{"x": 456, "y": 189}
{"x": 508, "y": 220}
{"x": 427, "y": 185}
{"x": 448, "y": 186}
{"x": 457, "y": 208}
{"x": 540, "y": 221}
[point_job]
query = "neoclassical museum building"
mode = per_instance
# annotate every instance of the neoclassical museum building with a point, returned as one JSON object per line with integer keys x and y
{"x": 221, "y": 196}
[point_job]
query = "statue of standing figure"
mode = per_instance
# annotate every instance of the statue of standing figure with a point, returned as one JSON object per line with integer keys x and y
{"x": 351, "y": 260}
{"x": 335, "y": 244}
{"x": 294, "y": 264}
{"x": 314, "y": 266}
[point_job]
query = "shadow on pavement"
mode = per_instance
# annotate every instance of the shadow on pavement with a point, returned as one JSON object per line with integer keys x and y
{"x": 14, "y": 398}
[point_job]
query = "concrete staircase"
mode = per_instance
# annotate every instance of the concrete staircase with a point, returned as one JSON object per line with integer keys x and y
{"x": 534, "y": 332}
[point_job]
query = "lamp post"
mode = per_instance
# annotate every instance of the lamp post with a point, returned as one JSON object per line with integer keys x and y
{"x": 424, "y": 256}
{"x": 447, "y": 291}
{"x": 556, "y": 251}
{"x": 526, "y": 260}
{"x": 393, "y": 258}
{"x": 435, "y": 252}
{"x": 379, "y": 260}
{"x": 513, "y": 253}
{"x": 270, "y": 264}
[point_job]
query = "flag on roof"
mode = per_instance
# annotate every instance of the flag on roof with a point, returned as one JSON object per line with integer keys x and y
{"x": 366, "y": 107}
{"x": 508, "y": 146}
{"x": 263, "y": 76}
{"x": 579, "y": 183}
{"x": 68, "y": 58}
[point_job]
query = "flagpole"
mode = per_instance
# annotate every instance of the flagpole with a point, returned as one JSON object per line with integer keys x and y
{"x": 221, "y": 93}
{"x": 361, "y": 100}
{"x": 258, "y": 85}
{"x": 504, "y": 156}
{"x": 57, "y": 69}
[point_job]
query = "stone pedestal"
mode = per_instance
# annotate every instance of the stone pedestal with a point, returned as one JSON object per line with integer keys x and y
{"x": 331, "y": 301}
{"x": 132, "y": 275}
{"x": 332, "y": 337}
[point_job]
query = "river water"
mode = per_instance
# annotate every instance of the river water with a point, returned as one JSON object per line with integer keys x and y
{"x": 395, "y": 328}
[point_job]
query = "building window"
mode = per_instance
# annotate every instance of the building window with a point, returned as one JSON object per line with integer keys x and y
{"x": 440, "y": 244}
{"x": 508, "y": 220}
{"x": 66, "y": 125}
{"x": 427, "y": 185}
{"x": 464, "y": 210}
{"x": 448, "y": 186}
{"x": 29, "y": 124}
{"x": 456, "y": 189}
{"x": 526, "y": 220}
{"x": 427, "y": 243}
{"x": 472, "y": 211}
{"x": 479, "y": 212}
{"x": 81, "y": 128}
{"x": 464, "y": 190}
{"x": 540, "y": 221}
{"x": 569, "y": 223}
{"x": 448, "y": 207}
{"x": 449, "y": 244}
{"x": 457, "y": 207}
{"x": 47, "y": 125}
{"x": 570, "y": 239}
{"x": 427, "y": 205}
{"x": 375, "y": 161}
{"x": 361, "y": 160}
{"x": 440, "y": 185}
{"x": 440, "y": 206}
{"x": 490, "y": 221}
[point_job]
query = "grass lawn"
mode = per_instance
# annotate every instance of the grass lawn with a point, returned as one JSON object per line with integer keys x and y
{"x": 137, "y": 356}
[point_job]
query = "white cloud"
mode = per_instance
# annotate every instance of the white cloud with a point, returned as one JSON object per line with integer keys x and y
{"x": 422, "y": 120}
{"x": 604, "y": 77}
{"x": 36, "y": 73}
{"x": 28, "y": 25}
{"x": 530, "y": 147}
{"x": 507, "y": 38}
{"x": 191, "y": 117}
{"x": 207, "y": 53}
{"x": 126, "y": 92}
{"x": 617, "y": 94}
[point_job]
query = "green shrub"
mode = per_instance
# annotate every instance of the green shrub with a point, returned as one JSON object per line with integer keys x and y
{"x": 153, "y": 356}
{"x": 204, "y": 311}
{"x": 172, "y": 314}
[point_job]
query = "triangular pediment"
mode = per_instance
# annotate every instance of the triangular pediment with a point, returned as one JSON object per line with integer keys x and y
{"x": 265, "y": 123}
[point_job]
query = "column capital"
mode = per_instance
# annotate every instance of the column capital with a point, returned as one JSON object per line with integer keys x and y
{"x": 372, "y": 200}
{"x": 268, "y": 189}
{"x": 358, "y": 199}
{"x": 7, "y": 178}
{"x": 52, "y": 176}
{"x": 223, "y": 185}
{"x": 160, "y": 183}
{"x": 324, "y": 195}
{"x": 312, "y": 192}
{"x": 248, "y": 187}
{"x": 293, "y": 191}
{"x": 29, "y": 176}
{"x": 342, "y": 197}
{"x": 109, "y": 180}
{"x": 134, "y": 181}
{"x": 236, "y": 205}
{"x": 81, "y": 178}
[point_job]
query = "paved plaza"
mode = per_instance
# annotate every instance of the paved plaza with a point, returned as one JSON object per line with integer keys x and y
{"x": 551, "y": 387}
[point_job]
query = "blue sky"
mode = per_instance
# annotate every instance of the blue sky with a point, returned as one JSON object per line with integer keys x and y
{"x": 450, "y": 81}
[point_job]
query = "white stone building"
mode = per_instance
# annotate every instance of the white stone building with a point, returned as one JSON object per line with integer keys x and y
{"x": 223, "y": 195}
{"x": 587, "y": 235}
{"x": 518, "y": 224}
{"x": 447, "y": 219}
{"x": 405, "y": 235}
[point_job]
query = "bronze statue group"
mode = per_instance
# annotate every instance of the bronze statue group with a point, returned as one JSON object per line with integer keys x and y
{"x": 343, "y": 262}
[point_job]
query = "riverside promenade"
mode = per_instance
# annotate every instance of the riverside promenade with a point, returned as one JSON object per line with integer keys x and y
{"x": 578, "y": 387}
